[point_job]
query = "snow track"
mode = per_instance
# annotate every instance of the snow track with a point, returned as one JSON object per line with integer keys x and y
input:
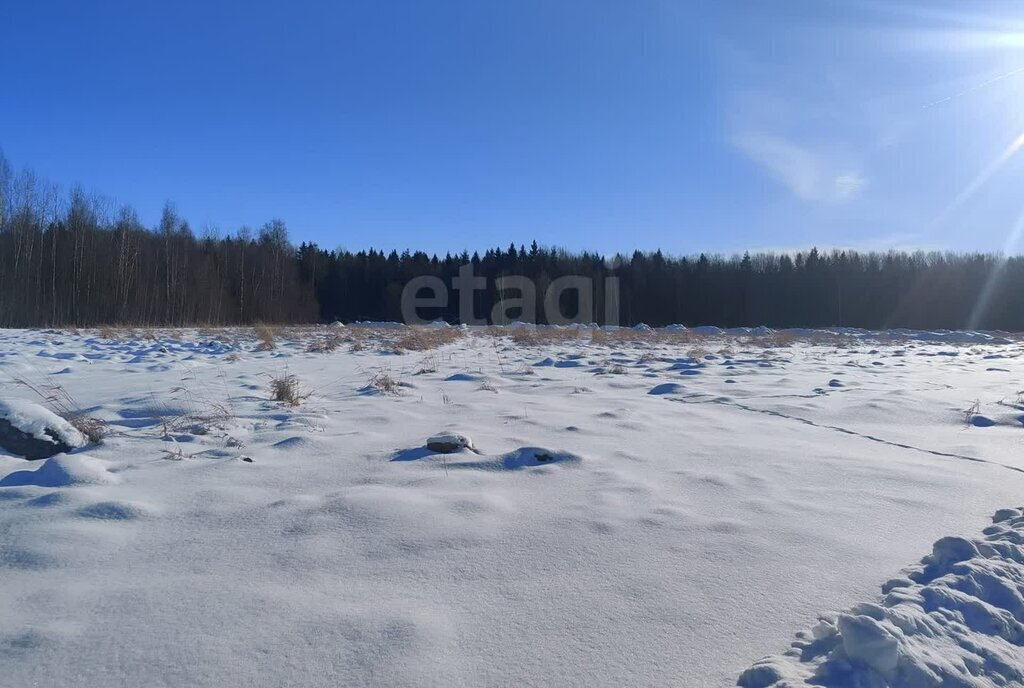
{"x": 845, "y": 431}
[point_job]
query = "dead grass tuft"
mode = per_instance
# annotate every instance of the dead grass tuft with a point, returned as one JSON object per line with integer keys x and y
{"x": 92, "y": 428}
{"x": 971, "y": 412}
{"x": 60, "y": 401}
{"x": 697, "y": 353}
{"x": 427, "y": 365}
{"x": 777, "y": 340}
{"x": 286, "y": 390}
{"x": 384, "y": 383}
{"x": 110, "y": 333}
{"x": 266, "y": 336}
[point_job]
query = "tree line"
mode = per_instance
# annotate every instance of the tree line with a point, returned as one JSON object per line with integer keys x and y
{"x": 72, "y": 259}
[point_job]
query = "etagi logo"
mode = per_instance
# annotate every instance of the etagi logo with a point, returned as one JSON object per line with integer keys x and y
{"x": 518, "y": 295}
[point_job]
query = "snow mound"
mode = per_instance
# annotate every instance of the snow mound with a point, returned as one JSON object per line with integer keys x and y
{"x": 524, "y": 457}
{"x": 463, "y": 377}
{"x": 40, "y": 423}
{"x": 62, "y": 471}
{"x": 115, "y": 511}
{"x": 957, "y": 620}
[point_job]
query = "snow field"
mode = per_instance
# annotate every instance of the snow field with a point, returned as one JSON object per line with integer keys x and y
{"x": 705, "y": 497}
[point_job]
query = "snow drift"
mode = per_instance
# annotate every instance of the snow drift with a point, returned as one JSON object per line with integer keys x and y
{"x": 957, "y": 620}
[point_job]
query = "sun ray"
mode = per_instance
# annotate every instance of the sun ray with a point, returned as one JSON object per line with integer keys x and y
{"x": 1011, "y": 245}
{"x": 982, "y": 177}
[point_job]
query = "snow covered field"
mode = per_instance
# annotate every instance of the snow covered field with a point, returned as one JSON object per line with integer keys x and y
{"x": 648, "y": 508}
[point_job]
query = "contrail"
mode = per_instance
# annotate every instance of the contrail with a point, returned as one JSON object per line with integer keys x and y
{"x": 972, "y": 89}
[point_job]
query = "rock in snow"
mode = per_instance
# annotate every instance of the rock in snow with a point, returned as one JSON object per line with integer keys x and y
{"x": 449, "y": 442}
{"x": 31, "y": 431}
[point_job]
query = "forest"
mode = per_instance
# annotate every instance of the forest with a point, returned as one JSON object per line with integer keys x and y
{"x": 73, "y": 259}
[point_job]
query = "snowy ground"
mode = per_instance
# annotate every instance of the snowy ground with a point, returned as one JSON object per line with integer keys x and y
{"x": 706, "y": 498}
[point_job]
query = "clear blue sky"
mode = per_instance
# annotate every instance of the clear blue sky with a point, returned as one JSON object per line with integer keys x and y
{"x": 689, "y": 126}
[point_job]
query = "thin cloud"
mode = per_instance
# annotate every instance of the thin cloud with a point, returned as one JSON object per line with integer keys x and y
{"x": 808, "y": 175}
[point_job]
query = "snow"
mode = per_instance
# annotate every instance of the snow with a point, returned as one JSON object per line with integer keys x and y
{"x": 62, "y": 471}
{"x": 39, "y": 422}
{"x": 954, "y": 621}
{"x": 639, "y": 513}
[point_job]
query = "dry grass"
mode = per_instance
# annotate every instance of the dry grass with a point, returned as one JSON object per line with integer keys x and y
{"x": 541, "y": 336}
{"x": 777, "y": 340}
{"x": 110, "y": 333}
{"x": 266, "y": 337}
{"x": 196, "y": 422}
{"x": 92, "y": 428}
{"x": 326, "y": 344}
{"x": 285, "y": 389}
{"x": 60, "y": 401}
{"x": 427, "y": 365}
{"x": 972, "y": 411}
{"x": 697, "y": 353}
{"x": 829, "y": 339}
{"x": 384, "y": 383}
{"x": 529, "y": 336}
{"x": 425, "y": 339}
{"x": 362, "y": 338}
{"x": 203, "y": 411}
{"x": 622, "y": 336}
{"x": 125, "y": 333}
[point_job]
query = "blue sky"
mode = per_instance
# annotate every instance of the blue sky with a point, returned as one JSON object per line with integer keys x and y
{"x": 687, "y": 126}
